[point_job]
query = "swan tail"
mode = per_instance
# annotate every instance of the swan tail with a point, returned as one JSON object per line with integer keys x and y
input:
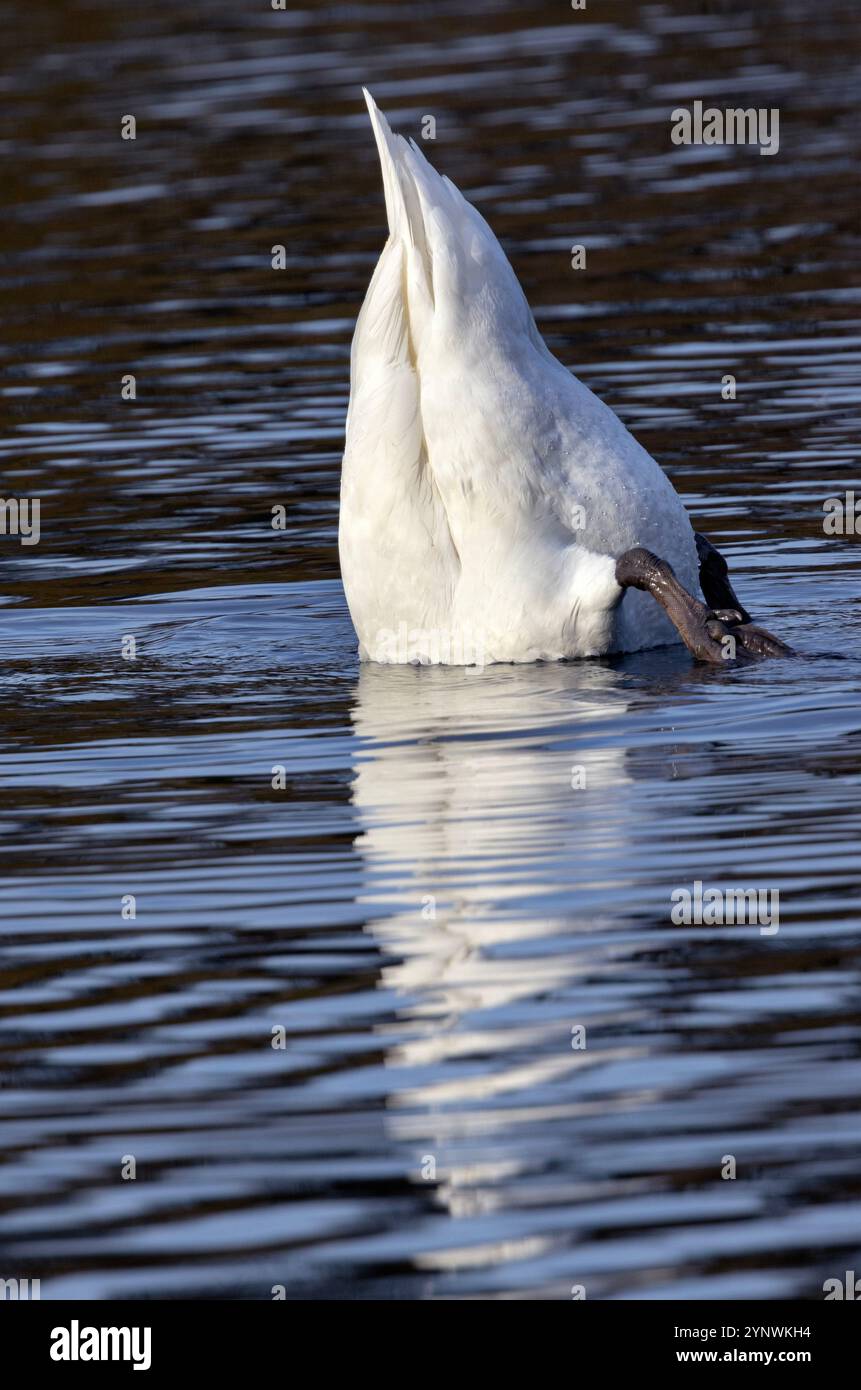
{"x": 455, "y": 270}
{"x": 407, "y": 209}
{"x": 397, "y": 309}
{"x": 388, "y": 150}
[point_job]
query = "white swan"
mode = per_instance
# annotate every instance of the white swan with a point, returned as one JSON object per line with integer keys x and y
{"x": 493, "y": 508}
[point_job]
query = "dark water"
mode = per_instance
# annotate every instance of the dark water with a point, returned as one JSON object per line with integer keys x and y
{"x": 426, "y": 906}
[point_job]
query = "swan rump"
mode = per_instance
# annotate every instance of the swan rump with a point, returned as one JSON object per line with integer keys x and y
{"x": 485, "y": 491}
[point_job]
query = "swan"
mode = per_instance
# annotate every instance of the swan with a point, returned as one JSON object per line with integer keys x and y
{"x": 492, "y": 508}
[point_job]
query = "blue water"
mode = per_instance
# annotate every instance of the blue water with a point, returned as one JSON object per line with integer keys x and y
{"x": 426, "y": 878}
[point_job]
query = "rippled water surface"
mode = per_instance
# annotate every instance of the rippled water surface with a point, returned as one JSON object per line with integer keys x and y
{"x": 422, "y": 901}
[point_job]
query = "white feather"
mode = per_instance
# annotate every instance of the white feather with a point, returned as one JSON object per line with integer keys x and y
{"x": 485, "y": 492}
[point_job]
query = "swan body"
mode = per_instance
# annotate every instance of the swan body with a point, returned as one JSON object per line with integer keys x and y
{"x": 486, "y": 493}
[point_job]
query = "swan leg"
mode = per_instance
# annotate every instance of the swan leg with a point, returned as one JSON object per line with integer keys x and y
{"x": 703, "y": 630}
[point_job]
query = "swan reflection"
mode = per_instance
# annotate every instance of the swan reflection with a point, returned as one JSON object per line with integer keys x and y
{"x": 486, "y": 798}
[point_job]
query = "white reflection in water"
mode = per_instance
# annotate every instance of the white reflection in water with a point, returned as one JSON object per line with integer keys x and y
{"x": 484, "y": 797}
{"x": 464, "y": 785}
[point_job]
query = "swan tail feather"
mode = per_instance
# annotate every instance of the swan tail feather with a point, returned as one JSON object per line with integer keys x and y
{"x": 456, "y": 272}
{"x": 425, "y": 212}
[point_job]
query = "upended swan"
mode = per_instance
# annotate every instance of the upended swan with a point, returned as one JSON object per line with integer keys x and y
{"x": 492, "y": 508}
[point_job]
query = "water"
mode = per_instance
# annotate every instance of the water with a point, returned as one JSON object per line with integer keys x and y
{"x": 422, "y": 902}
